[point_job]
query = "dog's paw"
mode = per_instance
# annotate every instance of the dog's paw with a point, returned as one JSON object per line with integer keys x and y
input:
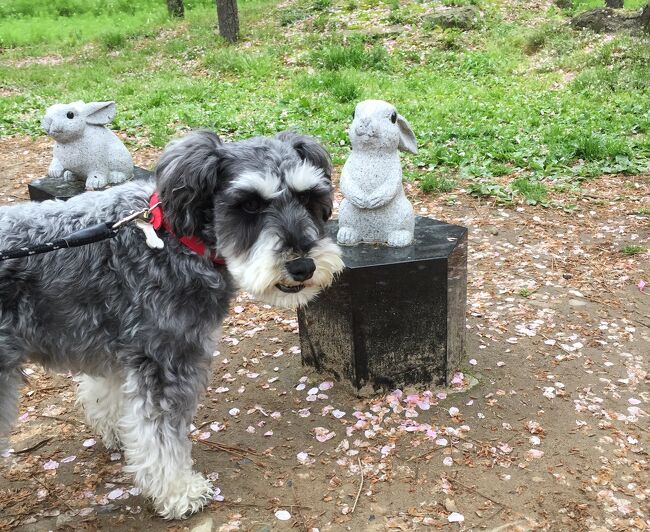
{"x": 187, "y": 498}
{"x": 347, "y": 236}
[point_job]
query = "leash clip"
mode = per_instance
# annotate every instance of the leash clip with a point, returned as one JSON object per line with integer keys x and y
{"x": 144, "y": 223}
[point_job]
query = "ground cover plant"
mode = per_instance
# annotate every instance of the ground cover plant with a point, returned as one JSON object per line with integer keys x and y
{"x": 520, "y": 95}
{"x": 531, "y": 134}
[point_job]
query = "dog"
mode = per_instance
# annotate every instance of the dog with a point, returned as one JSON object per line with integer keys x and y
{"x": 138, "y": 325}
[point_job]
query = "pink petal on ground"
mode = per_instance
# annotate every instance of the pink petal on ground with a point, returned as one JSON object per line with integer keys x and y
{"x": 304, "y": 412}
{"x": 455, "y": 517}
{"x": 325, "y": 385}
{"x": 301, "y": 386}
{"x": 338, "y": 414}
{"x": 642, "y": 284}
{"x": 135, "y": 491}
{"x": 205, "y": 435}
{"x": 473, "y": 361}
{"x": 89, "y": 442}
{"x": 239, "y": 310}
{"x": 283, "y": 515}
{"x": 115, "y": 494}
{"x": 68, "y": 459}
{"x": 234, "y": 411}
{"x": 323, "y": 434}
{"x": 216, "y": 426}
{"x": 453, "y": 411}
{"x": 448, "y": 461}
{"x": 50, "y": 465}
{"x": 535, "y": 453}
{"x": 115, "y": 457}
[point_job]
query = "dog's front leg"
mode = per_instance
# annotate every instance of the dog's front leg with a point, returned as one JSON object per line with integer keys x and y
{"x": 159, "y": 403}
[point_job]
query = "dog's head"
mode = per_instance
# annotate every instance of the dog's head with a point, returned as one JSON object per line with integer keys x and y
{"x": 261, "y": 203}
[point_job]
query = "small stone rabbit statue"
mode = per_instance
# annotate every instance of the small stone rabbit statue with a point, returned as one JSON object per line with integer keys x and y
{"x": 84, "y": 148}
{"x": 375, "y": 208}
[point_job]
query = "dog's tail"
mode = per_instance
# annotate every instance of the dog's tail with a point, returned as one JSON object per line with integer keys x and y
{"x": 10, "y": 381}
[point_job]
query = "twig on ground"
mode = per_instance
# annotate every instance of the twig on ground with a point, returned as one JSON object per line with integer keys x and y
{"x": 356, "y": 500}
{"x": 53, "y": 493}
{"x": 33, "y": 447}
{"x": 474, "y": 490}
{"x": 63, "y": 419}
{"x": 241, "y": 453}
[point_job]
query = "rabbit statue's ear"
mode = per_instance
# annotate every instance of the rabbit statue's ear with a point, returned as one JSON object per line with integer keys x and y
{"x": 407, "y": 140}
{"x": 99, "y": 113}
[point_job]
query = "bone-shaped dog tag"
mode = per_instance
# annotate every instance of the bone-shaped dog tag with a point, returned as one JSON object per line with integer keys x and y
{"x": 150, "y": 234}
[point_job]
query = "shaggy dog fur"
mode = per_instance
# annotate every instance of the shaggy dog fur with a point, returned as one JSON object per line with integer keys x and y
{"x": 139, "y": 325}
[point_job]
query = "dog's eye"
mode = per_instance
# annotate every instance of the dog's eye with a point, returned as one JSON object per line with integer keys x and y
{"x": 70, "y": 115}
{"x": 252, "y": 206}
{"x": 393, "y": 117}
{"x": 353, "y": 113}
{"x": 303, "y": 197}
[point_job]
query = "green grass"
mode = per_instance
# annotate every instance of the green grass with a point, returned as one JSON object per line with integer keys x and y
{"x": 521, "y": 96}
{"x": 533, "y": 191}
{"x": 633, "y": 249}
{"x": 437, "y": 183}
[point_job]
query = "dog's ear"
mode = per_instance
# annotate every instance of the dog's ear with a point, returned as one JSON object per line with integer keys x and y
{"x": 309, "y": 149}
{"x": 186, "y": 178}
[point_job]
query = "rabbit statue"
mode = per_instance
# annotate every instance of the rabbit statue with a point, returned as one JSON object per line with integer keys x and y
{"x": 375, "y": 208}
{"x": 84, "y": 148}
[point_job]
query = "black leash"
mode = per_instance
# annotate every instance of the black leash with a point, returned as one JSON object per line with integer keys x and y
{"x": 89, "y": 235}
{"x": 83, "y": 237}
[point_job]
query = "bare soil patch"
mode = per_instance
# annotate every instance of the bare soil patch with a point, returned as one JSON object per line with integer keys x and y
{"x": 553, "y": 437}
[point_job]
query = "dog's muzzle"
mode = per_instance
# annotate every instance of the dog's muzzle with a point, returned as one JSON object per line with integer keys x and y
{"x": 299, "y": 270}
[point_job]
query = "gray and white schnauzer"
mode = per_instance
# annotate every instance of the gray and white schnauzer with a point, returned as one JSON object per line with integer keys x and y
{"x": 138, "y": 324}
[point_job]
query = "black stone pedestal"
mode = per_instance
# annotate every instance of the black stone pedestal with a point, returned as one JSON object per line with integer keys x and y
{"x": 47, "y": 188}
{"x": 395, "y": 316}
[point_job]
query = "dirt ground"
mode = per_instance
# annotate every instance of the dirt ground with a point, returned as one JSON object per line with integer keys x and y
{"x": 553, "y": 435}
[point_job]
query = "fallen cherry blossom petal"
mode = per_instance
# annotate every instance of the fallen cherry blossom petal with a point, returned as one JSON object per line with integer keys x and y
{"x": 115, "y": 494}
{"x": 89, "y": 442}
{"x": 282, "y": 515}
{"x": 455, "y": 517}
{"x": 50, "y": 465}
{"x": 322, "y": 434}
{"x": 68, "y": 459}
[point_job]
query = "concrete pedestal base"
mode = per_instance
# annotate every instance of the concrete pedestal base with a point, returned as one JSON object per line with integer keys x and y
{"x": 46, "y": 188}
{"x": 395, "y": 316}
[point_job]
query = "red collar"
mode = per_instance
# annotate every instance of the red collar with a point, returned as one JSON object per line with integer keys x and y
{"x": 192, "y": 242}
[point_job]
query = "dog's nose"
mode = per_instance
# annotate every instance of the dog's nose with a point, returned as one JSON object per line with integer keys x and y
{"x": 301, "y": 269}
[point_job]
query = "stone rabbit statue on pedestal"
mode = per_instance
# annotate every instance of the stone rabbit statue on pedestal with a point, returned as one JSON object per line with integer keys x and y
{"x": 375, "y": 208}
{"x": 84, "y": 148}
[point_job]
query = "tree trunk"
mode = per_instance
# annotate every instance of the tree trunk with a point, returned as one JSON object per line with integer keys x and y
{"x": 615, "y": 4}
{"x": 176, "y": 8}
{"x": 228, "y": 19}
{"x": 645, "y": 18}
